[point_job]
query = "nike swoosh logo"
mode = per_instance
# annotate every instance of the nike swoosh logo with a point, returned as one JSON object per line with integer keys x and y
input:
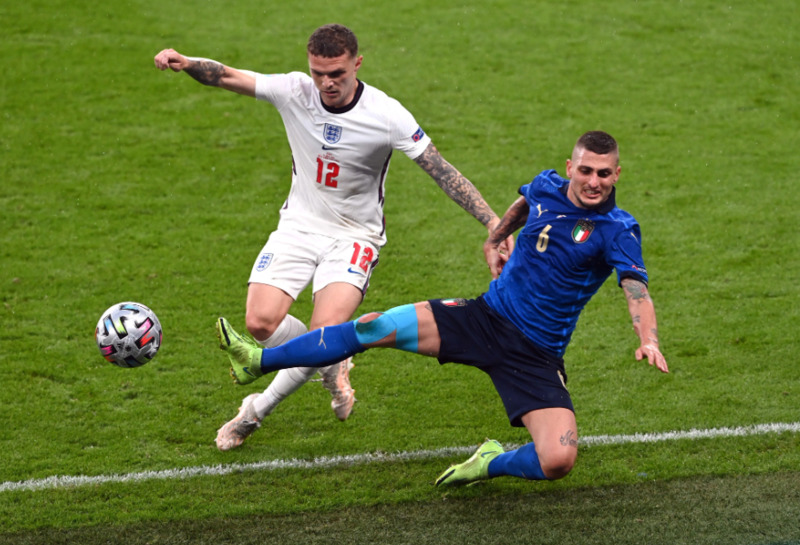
{"x": 327, "y": 147}
{"x": 351, "y": 270}
{"x": 247, "y": 370}
{"x": 444, "y": 477}
{"x": 485, "y": 454}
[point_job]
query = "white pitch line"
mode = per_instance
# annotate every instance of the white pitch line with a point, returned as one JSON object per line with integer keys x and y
{"x": 743, "y": 431}
{"x": 49, "y": 483}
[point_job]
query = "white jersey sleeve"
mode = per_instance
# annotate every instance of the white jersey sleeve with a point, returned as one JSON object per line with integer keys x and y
{"x": 340, "y": 157}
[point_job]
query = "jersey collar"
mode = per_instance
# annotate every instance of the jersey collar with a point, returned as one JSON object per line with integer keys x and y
{"x": 350, "y": 105}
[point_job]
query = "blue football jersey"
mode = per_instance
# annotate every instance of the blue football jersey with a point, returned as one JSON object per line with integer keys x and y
{"x": 562, "y": 256}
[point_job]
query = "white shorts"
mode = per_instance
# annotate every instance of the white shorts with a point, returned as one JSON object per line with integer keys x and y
{"x": 290, "y": 260}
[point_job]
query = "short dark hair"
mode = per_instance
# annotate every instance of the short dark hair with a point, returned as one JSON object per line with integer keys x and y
{"x": 332, "y": 41}
{"x": 598, "y": 142}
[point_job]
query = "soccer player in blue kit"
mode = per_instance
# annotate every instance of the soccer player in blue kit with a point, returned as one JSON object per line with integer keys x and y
{"x": 573, "y": 237}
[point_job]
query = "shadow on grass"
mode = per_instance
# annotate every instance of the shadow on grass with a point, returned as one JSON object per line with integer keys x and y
{"x": 749, "y": 510}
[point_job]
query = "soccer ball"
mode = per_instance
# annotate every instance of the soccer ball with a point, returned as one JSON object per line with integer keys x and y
{"x": 128, "y": 334}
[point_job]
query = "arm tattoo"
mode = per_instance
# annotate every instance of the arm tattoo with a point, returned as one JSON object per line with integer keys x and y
{"x": 207, "y": 72}
{"x": 514, "y": 218}
{"x": 454, "y": 184}
{"x": 635, "y": 290}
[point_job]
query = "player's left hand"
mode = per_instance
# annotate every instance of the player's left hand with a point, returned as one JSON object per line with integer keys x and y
{"x": 506, "y": 247}
{"x": 169, "y": 58}
{"x": 497, "y": 254}
{"x": 654, "y": 356}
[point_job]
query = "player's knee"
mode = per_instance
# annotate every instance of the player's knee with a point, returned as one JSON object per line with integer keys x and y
{"x": 372, "y": 327}
{"x": 367, "y": 318}
{"x": 260, "y": 326}
{"x": 396, "y": 327}
{"x": 556, "y": 465}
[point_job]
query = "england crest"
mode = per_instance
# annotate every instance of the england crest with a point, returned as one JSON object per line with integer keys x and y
{"x": 582, "y": 230}
{"x": 332, "y": 133}
{"x": 263, "y": 262}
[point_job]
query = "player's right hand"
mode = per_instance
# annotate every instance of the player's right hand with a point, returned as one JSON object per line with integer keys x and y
{"x": 169, "y": 58}
{"x": 654, "y": 356}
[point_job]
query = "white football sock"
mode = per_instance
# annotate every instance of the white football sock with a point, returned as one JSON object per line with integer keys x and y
{"x": 287, "y": 381}
{"x": 287, "y": 330}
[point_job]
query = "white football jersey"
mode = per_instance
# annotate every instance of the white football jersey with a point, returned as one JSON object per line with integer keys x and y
{"x": 340, "y": 157}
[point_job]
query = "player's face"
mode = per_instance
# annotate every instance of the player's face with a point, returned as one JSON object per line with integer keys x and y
{"x": 591, "y": 177}
{"x": 335, "y": 78}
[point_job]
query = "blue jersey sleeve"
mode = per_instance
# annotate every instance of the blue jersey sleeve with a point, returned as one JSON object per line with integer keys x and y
{"x": 625, "y": 254}
{"x": 547, "y": 182}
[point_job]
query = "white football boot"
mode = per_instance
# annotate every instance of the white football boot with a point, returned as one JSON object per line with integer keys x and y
{"x": 336, "y": 379}
{"x": 233, "y": 434}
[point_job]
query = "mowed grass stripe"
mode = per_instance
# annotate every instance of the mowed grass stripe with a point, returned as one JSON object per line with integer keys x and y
{"x": 54, "y": 482}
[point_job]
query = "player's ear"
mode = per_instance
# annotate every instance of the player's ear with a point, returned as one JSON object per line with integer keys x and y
{"x": 569, "y": 168}
{"x": 358, "y": 61}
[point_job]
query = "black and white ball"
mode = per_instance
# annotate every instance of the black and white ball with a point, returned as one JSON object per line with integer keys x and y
{"x": 128, "y": 334}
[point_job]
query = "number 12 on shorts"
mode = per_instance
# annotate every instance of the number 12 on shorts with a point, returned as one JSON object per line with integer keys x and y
{"x": 362, "y": 257}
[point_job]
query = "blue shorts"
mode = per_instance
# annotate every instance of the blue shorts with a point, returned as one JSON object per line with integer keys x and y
{"x": 526, "y": 377}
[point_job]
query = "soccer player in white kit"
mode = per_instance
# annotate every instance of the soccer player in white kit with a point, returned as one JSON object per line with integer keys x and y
{"x": 342, "y": 133}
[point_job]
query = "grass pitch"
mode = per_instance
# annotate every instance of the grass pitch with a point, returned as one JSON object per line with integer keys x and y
{"x": 123, "y": 183}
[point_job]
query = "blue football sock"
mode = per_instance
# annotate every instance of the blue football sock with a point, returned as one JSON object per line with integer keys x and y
{"x": 522, "y": 462}
{"x": 318, "y": 348}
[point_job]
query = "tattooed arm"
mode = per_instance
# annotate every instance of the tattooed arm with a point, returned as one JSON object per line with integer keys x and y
{"x": 643, "y": 314}
{"x": 208, "y": 72}
{"x": 461, "y": 190}
{"x": 456, "y": 185}
{"x": 514, "y": 218}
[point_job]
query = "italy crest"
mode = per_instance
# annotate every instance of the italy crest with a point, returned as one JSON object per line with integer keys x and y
{"x": 582, "y": 230}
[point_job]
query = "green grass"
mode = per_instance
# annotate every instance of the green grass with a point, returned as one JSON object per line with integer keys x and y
{"x": 123, "y": 183}
{"x": 702, "y": 510}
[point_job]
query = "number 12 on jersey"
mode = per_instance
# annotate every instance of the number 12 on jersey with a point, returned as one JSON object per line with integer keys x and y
{"x": 327, "y": 173}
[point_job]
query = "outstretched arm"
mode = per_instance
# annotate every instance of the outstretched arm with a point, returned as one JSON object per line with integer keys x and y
{"x": 208, "y": 72}
{"x": 460, "y": 189}
{"x": 514, "y": 218}
{"x": 643, "y": 314}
